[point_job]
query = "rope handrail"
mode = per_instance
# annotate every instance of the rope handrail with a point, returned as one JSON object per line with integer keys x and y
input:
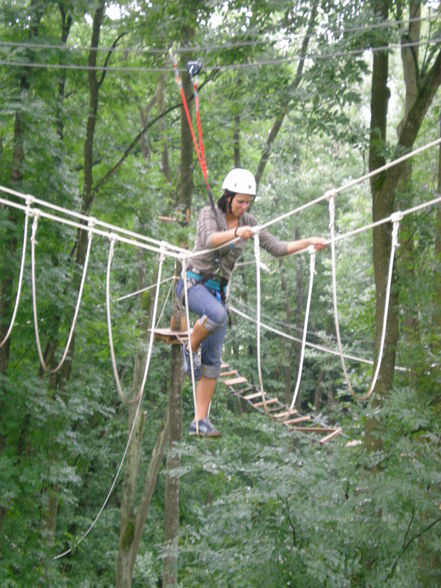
{"x": 34, "y": 299}
{"x": 127, "y": 241}
{"x": 352, "y": 183}
{"x": 86, "y": 218}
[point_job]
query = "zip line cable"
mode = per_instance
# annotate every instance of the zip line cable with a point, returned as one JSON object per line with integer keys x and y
{"x": 220, "y": 67}
{"x": 207, "y": 48}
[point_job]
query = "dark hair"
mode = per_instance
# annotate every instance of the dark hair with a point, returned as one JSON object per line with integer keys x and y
{"x": 224, "y": 201}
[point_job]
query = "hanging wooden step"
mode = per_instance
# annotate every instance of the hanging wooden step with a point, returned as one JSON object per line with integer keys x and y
{"x": 332, "y": 435}
{"x": 229, "y": 373}
{"x": 170, "y": 336}
{"x": 284, "y": 414}
{"x": 269, "y": 401}
{"x": 276, "y": 410}
{"x": 302, "y": 419}
{"x": 252, "y": 396}
{"x": 235, "y": 381}
{"x": 314, "y": 429}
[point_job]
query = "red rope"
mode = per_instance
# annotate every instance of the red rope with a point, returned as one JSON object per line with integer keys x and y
{"x": 198, "y": 146}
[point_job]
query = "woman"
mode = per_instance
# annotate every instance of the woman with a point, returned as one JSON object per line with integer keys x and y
{"x": 208, "y": 276}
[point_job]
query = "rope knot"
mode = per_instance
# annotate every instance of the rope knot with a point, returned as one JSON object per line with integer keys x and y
{"x": 29, "y": 200}
{"x": 396, "y": 217}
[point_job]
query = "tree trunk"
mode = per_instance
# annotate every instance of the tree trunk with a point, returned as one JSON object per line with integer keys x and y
{"x": 436, "y": 319}
{"x": 280, "y": 117}
{"x": 171, "y": 505}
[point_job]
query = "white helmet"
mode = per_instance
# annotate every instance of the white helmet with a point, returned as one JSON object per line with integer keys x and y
{"x": 241, "y": 181}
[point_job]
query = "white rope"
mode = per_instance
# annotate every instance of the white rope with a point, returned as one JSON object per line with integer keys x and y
{"x": 308, "y": 344}
{"x": 20, "y": 276}
{"x": 190, "y": 350}
{"x": 126, "y": 296}
{"x": 311, "y": 251}
{"x": 139, "y": 400}
{"x": 34, "y": 298}
{"x": 77, "y": 215}
{"x": 258, "y": 321}
{"x": 352, "y": 183}
{"x": 396, "y": 223}
{"x": 109, "y": 327}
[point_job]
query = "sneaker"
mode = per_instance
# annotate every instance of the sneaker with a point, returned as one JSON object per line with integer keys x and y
{"x": 206, "y": 429}
{"x": 197, "y": 368}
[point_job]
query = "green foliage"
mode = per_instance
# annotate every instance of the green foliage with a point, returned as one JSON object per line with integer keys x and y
{"x": 261, "y": 506}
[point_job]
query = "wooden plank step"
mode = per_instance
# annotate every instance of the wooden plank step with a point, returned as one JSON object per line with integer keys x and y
{"x": 229, "y": 373}
{"x": 269, "y": 401}
{"x": 313, "y": 429}
{"x": 302, "y": 419}
{"x": 235, "y": 381}
{"x": 335, "y": 433}
{"x": 254, "y": 395}
{"x": 284, "y": 414}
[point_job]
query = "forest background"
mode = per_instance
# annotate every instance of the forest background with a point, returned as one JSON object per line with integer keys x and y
{"x": 307, "y": 95}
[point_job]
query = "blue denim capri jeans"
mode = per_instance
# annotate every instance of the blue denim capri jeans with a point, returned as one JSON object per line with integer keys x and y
{"x": 213, "y": 315}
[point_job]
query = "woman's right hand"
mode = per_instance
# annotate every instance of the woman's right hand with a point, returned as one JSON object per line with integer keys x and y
{"x": 244, "y": 232}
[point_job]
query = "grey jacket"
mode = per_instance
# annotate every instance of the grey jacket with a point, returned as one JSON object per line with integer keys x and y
{"x": 207, "y": 225}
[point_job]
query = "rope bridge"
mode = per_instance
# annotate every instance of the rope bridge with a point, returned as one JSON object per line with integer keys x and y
{"x": 35, "y": 208}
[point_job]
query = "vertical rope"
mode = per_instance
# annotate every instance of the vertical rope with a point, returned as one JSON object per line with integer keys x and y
{"x": 258, "y": 320}
{"x": 22, "y": 266}
{"x": 190, "y": 350}
{"x": 311, "y": 251}
{"x": 77, "y": 306}
{"x": 109, "y": 324}
{"x": 395, "y": 218}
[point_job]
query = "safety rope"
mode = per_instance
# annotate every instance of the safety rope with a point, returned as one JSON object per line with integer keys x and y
{"x": 190, "y": 350}
{"x": 34, "y": 297}
{"x": 109, "y": 327}
{"x": 396, "y": 218}
{"x": 316, "y": 346}
{"x": 20, "y": 276}
{"x": 311, "y": 251}
{"x": 193, "y": 69}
